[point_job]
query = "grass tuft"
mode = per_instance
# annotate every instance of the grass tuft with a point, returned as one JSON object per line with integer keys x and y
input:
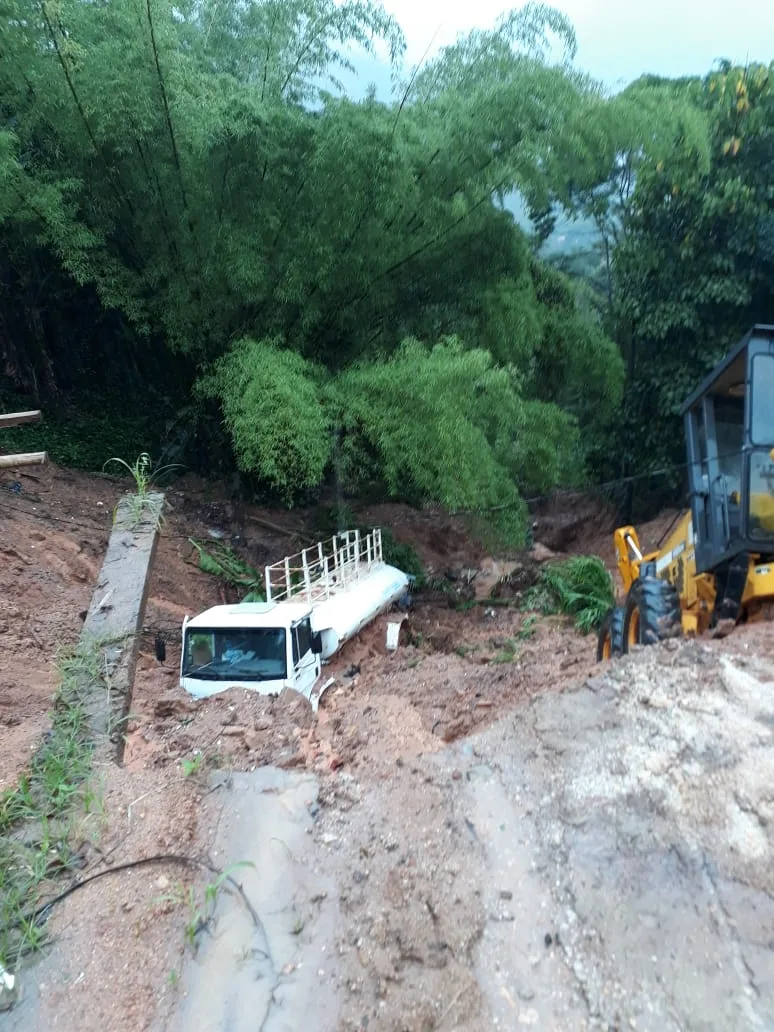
{"x": 42, "y": 817}
{"x": 200, "y": 913}
{"x": 146, "y": 476}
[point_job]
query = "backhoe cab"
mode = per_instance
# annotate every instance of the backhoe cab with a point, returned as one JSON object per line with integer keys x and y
{"x": 717, "y": 566}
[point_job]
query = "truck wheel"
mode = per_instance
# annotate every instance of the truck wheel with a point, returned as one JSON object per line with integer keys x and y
{"x": 610, "y": 638}
{"x": 652, "y": 613}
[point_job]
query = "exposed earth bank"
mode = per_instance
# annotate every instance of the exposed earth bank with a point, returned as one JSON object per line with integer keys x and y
{"x": 484, "y": 830}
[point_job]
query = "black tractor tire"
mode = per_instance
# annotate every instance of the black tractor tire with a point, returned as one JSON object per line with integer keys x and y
{"x": 610, "y": 636}
{"x": 652, "y": 613}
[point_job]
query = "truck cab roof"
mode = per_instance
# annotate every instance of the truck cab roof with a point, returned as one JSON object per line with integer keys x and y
{"x": 251, "y": 614}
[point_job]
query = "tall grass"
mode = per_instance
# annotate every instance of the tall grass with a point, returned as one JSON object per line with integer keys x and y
{"x": 44, "y": 817}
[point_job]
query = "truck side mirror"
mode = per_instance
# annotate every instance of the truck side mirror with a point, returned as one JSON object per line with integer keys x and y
{"x": 317, "y": 645}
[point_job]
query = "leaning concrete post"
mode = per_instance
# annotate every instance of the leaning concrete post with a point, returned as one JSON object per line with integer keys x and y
{"x": 115, "y": 617}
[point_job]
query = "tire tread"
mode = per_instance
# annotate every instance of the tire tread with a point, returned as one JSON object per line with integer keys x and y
{"x": 659, "y": 610}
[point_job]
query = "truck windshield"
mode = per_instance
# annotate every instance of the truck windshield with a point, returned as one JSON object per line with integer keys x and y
{"x": 235, "y": 654}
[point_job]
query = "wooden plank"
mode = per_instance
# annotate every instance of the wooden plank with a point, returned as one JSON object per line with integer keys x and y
{"x": 18, "y": 418}
{"x": 25, "y": 459}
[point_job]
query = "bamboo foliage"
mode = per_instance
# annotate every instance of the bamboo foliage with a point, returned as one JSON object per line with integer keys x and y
{"x": 193, "y": 174}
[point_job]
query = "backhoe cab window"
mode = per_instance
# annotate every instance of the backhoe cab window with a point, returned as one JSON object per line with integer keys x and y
{"x": 761, "y": 517}
{"x": 729, "y": 431}
{"x": 254, "y": 654}
{"x": 761, "y": 495}
{"x": 763, "y": 400}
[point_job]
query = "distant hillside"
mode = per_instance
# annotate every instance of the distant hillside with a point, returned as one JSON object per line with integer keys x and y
{"x": 571, "y": 236}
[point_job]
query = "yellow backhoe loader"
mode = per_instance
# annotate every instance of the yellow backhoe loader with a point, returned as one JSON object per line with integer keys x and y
{"x": 717, "y": 567}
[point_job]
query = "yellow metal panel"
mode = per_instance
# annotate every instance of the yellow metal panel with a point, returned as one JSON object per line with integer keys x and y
{"x": 628, "y": 563}
{"x": 679, "y": 535}
{"x": 690, "y": 622}
{"x": 760, "y": 582}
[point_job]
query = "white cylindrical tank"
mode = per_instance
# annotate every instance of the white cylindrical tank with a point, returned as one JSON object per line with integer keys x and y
{"x": 344, "y": 614}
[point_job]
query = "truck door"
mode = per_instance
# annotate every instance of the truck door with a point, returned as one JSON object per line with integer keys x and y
{"x": 306, "y": 664}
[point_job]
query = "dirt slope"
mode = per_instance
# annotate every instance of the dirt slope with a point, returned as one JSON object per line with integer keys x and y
{"x": 52, "y": 537}
{"x": 461, "y": 669}
{"x": 54, "y": 527}
{"x": 599, "y": 858}
{"x": 515, "y": 840}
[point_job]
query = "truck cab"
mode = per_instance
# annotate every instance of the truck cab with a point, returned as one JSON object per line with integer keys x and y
{"x": 316, "y": 600}
{"x": 260, "y": 646}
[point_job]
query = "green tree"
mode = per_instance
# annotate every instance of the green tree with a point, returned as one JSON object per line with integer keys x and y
{"x": 644, "y": 123}
{"x": 693, "y": 268}
{"x": 445, "y": 424}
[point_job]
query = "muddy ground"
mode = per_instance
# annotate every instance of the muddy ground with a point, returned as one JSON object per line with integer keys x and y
{"x": 598, "y": 858}
{"x": 54, "y": 532}
{"x": 502, "y": 844}
{"x": 457, "y": 671}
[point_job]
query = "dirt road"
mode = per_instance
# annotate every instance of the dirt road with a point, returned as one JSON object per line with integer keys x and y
{"x": 599, "y": 859}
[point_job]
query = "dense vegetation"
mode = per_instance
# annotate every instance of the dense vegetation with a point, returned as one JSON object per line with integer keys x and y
{"x": 205, "y": 242}
{"x": 693, "y": 266}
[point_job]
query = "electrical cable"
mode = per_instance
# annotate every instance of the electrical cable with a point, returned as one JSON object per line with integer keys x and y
{"x": 672, "y": 524}
{"x": 568, "y": 491}
{"x": 606, "y": 485}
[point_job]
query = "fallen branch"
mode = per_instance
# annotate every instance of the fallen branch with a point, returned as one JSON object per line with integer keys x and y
{"x": 274, "y": 526}
{"x": 24, "y": 459}
{"x": 18, "y": 418}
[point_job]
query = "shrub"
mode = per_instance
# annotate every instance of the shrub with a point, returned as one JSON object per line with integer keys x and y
{"x": 580, "y": 587}
{"x": 402, "y": 556}
{"x": 271, "y": 404}
{"x": 431, "y": 424}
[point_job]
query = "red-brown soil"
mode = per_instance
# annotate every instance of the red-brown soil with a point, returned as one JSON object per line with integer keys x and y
{"x": 121, "y": 939}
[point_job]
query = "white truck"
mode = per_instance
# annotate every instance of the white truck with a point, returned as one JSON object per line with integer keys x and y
{"x": 315, "y": 601}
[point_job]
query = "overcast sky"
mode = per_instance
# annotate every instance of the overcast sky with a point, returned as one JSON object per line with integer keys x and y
{"x": 618, "y": 40}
